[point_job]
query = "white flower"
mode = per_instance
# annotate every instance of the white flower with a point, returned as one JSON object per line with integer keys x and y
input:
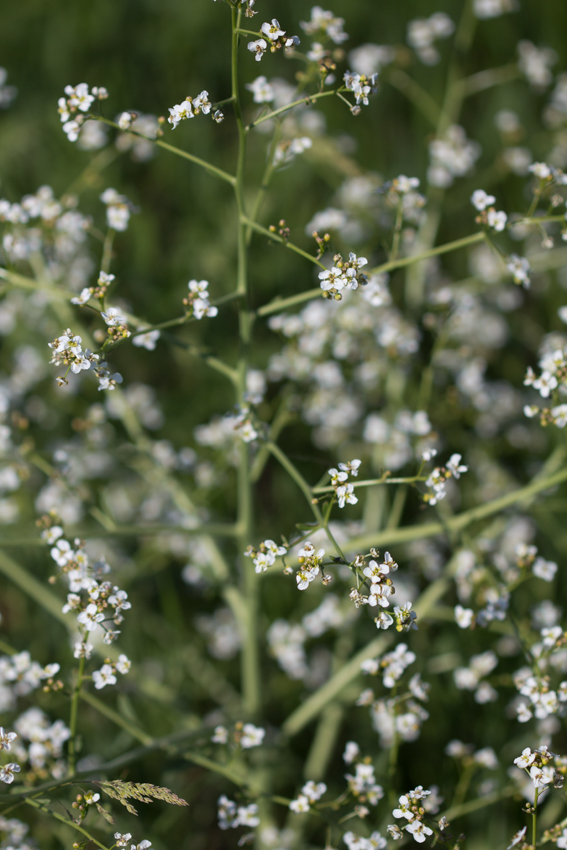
{"x": 526, "y": 759}
{"x": 123, "y": 664}
{"x": 112, "y": 317}
{"x": 6, "y": 739}
{"x": 90, "y": 617}
{"x": 561, "y": 841}
{"x": 497, "y": 220}
{"x": 83, "y": 297}
{"x": 313, "y": 790}
{"x": 104, "y": 676}
{"x": 418, "y": 830}
{"x": 262, "y": 90}
{"x": 541, "y": 170}
{"x": 520, "y": 269}
{"x": 272, "y": 30}
{"x": 480, "y": 200}
{"x": 220, "y": 736}
{"x": 180, "y": 112}
{"x": 257, "y": 47}
{"x": 352, "y": 750}
{"x": 7, "y": 772}
{"x": 544, "y": 569}
{"x": 125, "y": 120}
{"x": 301, "y": 805}
{"x": 146, "y": 340}
{"x": 463, "y": 616}
{"x": 252, "y": 736}
{"x": 455, "y": 467}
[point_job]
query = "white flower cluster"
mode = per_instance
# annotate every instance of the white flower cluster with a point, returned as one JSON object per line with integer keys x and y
{"x": 191, "y": 107}
{"x": 470, "y": 678}
{"x": 286, "y": 151}
{"x": 399, "y": 717}
{"x": 19, "y": 676}
{"x": 535, "y": 684}
{"x": 363, "y": 781}
{"x": 265, "y": 556}
{"x": 451, "y": 156}
{"x": 97, "y": 604}
{"x": 543, "y": 767}
{"x": 392, "y": 664}
{"x": 400, "y": 192}
{"x": 488, "y": 214}
{"x": 344, "y": 274}
{"x": 520, "y": 270}
{"x": 79, "y": 98}
{"x": 357, "y": 842}
{"x": 485, "y": 9}
{"x": 410, "y": 807}
{"x": 437, "y": 480}
{"x": 324, "y": 23}
{"x": 197, "y": 302}
{"x": 231, "y": 816}
{"x": 310, "y": 560}
{"x": 67, "y": 350}
{"x": 344, "y": 492}
{"x": 118, "y": 209}
{"x": 361, "y": 86}
{"x": 552, "y": 381}
{"x": 424, "y": 32}
{"x": 381, "y": 587}
{"x": 245, "y": 735}
{"x": 287, "y": 640}
{"x": 310, "y": 793}
{"x": 273, "y": 37}
{"x": 536, "y": 63}
{"x": 262, "y": 90}
{"x": 8, "y": 770}
{"x": 46, "y": 742}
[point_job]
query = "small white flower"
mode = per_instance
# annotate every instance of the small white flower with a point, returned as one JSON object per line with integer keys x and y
{"x": 480, "y": 200}
{"x": 262, "y": 90}
{"x": 220, "y": 736}
{"x": 7, "y": 772}
{"x": 123, "y": 664}
{"x": 252, "y": 736}
{"x": 301, "y": 805}
{"x": 104, "y": 676}
{"x": 257, "y": 47}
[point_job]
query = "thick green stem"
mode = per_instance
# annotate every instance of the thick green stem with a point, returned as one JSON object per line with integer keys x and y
{"x": 250, "y": 660}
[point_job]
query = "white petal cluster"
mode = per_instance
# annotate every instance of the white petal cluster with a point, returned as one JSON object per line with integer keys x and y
{"x": 118, "y": 209}
{"x": 189, "y": 108}
{"x": 197, "y": 301}
{"x": 344, "y": 490}
{"x": 451, "y": 156}
{"x": 424, "y": 32}
{"x": 361, "y": 86}
{"x": 408, "y": 808}
{"x": 485, "y": 9}
{"x": 266, "y": 554}
{"x": 231, "y": 816}
{"x": 345, "y": 274}
{"x": 78, "y": 99}
{"x": 324, "y": 23}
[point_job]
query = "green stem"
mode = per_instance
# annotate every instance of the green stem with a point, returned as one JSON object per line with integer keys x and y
{"x": 534, "y": 819}
{"x": 250, "y": 659}
{"x": 212, "y": 169}
{"x": 74, "y": 715}
{"x": 107, "y": 250}
{"x": 373, "y": 482}
{"x": 275, "y": 237}
{"x": 46, "y": 810}
{"x": 308, "y": 99}
{"x": 294, "y": 473}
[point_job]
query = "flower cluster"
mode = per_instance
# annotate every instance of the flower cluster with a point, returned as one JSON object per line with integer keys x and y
{"x": 272, "y": 37}
{"x": 244, "y": 735}
{"x": 552, "y": 380}
{"x": 191, "y": 107}
{"x": 19, "y": 676}
{"x": 96, "y": 603}
{"x": 287, "y": 151}
{"x": 424, "y": 32}
{"x": 325, "y": 24}
{"x": 438, "y": 478}
{"x": 197, "y": 302}
{"x": 231, "y": 816}
{"x": 107, "y": 673}
{"x": 118, "y": 209}
{"x": 344, "y": 492}
{"x": 344, "y": 274}
{"x": 310, "y": 793}
{"x": 543, "y": 767}
{"x": 488, "y": 215}
{"x": 67, "y": 350}
{"x": 411, "y": 808}
{"x": 485, "y": 9}
{"x": 452, "y": 156}
{"x": 79, "y": 98}
{"x": 361, "y": 85}
{"x": 311, "y": 561}
{"x": 266, "y": 554}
